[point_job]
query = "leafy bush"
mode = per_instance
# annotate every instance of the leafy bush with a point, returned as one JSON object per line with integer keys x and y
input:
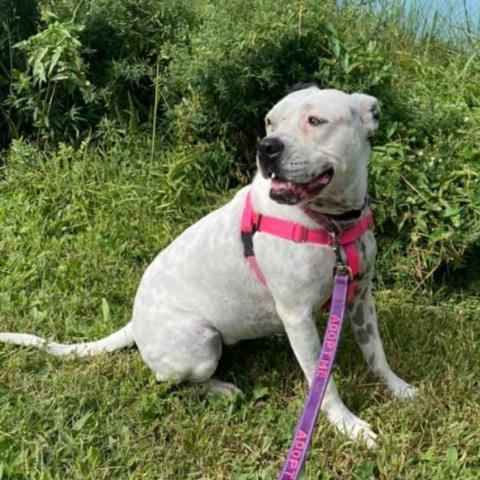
{"x": 130, "y": 45}
{"x": 93, "y": 60}
{"x": 206, "y": 73}
{"x": 54, "y": 87}
{"x": 425, "y": 169}
{"x": 249, "y": 54}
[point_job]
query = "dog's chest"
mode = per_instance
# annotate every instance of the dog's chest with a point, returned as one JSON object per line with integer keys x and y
{"x": 305, "y": 271}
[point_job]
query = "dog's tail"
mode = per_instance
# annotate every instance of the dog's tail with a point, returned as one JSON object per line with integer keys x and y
{"x": 120, "y": 339}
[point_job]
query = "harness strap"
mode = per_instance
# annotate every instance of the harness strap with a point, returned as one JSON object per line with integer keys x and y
{"x": 296, "y": 232}
{"x": 249, "y": 227}
{"x": 253, "y": 222}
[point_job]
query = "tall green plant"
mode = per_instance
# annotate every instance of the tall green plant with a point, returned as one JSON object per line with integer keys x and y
{"x": 18, "y": 20}
{"x": 53, "y": 93}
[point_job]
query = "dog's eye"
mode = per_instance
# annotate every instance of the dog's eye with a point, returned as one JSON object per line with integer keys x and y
{"x": 268, "y": 122}
{"x": 315, "y": 121}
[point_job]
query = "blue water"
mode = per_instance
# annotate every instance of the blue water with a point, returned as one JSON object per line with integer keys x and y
{"x": 454, "y": 12}
{"x": 451, "y": 16}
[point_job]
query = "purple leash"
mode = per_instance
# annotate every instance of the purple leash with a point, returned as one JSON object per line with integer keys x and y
{"x": 303, "y": 434}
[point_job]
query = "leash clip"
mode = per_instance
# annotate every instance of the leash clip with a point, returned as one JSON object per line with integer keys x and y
{"x": 341, "y": 268}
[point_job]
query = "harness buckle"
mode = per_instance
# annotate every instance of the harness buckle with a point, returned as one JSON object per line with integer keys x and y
{"x": 255, "y": 221}
{"x": 299, "y": 233}
{"x": 341, "y": 268}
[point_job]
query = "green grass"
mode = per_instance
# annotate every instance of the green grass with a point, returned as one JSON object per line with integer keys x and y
{"x": 78, "y": 228}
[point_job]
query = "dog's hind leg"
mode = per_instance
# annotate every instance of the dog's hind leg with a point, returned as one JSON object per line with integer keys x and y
{"x": 363, "y": 319}
{"x": 178, "y": 346}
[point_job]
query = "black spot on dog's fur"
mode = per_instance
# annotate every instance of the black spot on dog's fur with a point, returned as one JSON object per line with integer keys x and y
{"x": 303, "y": 86}
{"x": 370, "y": 329}
{"x": 362, "y": 336}
{"x": 358, "y": 316}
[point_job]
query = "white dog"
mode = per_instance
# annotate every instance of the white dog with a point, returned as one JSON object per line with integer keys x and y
{"x": 200, "y": 291}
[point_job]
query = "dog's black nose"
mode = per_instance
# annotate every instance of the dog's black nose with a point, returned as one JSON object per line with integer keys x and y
{"x": 269, "y": 149}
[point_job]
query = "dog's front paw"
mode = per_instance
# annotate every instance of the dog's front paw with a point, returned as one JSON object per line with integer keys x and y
{"x": 352, "y": 426}
{"x": 401, "y": 390}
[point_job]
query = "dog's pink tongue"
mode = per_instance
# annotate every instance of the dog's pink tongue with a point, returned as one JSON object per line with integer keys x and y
{"x": 323, "y": 180}
{"x": 318, "y": 183}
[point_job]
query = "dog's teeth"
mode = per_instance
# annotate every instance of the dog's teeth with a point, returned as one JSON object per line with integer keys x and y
{"x": 273, "y": 176}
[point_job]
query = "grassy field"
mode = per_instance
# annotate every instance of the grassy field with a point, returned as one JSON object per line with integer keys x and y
{"x": 78, "y": 229}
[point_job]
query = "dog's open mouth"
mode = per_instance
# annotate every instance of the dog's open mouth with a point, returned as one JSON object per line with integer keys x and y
{"x": 291, "y": 193}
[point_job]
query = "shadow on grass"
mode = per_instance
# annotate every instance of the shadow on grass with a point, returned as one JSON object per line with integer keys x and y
{"x": 464, "y": 279}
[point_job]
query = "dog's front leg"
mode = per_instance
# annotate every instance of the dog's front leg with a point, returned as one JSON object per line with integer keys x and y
{"x": 303, "y": 336}
{"x": 363, "y": 318}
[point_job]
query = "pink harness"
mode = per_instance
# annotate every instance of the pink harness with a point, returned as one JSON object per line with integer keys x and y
{"x": 253, "y": 222}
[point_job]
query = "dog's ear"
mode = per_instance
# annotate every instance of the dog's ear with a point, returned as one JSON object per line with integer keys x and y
{"x": 368, "y": 109}
{"x": 302, "y": 86}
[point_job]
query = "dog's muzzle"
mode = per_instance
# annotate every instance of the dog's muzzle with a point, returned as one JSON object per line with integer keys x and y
{"x": 283, "y": 189}
{"x": 269, "y": 153}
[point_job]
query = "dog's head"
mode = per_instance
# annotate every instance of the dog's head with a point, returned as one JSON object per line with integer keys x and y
{"x": 316, "y": 148}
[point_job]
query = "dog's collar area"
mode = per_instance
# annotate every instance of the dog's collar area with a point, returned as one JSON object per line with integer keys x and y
{"x": 348, "y": 216}
{"x": 253, "y": 222}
